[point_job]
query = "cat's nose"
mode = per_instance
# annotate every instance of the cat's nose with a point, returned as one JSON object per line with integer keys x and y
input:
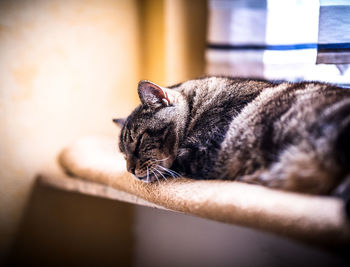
{"x": 130, "y": 168}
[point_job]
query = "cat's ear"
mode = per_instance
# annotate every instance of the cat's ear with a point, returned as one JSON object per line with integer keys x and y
{"x": 153, "y": 95}
{"x": 119, "y": 122}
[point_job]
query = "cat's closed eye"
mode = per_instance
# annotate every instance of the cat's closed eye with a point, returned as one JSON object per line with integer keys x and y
{"x": 140, "y": 141}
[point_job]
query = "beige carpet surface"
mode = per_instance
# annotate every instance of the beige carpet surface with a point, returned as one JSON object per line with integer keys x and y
{"x": 312, "y": 219}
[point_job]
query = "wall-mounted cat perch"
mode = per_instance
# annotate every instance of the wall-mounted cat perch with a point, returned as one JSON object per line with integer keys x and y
{"x": 313, "y": 219}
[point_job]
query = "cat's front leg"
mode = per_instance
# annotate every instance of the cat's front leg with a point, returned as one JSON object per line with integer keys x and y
{"x": 260, "y": 177}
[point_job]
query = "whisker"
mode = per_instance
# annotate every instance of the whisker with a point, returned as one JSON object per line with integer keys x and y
{"x": 147, "y": 175}
{"x": 156, "y": 176}
{"x": 170, "y": 171}
{"x": 159, "y": 171}
{"x": 174, "y": 172}
{"x": 165, "y": 169}
{"x": 157, "y": 160}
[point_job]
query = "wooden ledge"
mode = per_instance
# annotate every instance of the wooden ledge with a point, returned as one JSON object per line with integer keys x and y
{"x": 313, "y": 219}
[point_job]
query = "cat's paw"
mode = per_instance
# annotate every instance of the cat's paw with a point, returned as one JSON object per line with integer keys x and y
{"x": 262, "y": 177}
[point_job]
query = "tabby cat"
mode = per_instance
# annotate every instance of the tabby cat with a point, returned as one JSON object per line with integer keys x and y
{"x": 290, "y": 136}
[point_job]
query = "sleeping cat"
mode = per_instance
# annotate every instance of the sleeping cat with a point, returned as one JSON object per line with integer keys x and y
{"x": 290, "y": 136}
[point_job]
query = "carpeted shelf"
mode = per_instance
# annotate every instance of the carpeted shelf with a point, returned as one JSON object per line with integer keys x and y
{"x": 312, "y": 219}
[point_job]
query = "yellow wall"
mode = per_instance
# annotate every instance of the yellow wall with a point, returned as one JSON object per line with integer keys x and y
{"x": 152, "y": 38}
{"x": 173, "y": 39}
{"x": 67, "y": 67}
{"x": 185, "y": 39}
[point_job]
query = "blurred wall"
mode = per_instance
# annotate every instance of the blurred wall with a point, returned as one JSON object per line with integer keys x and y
{"x": 66, "y": 68}
{"x": 67, "y": 228}
{"x": 173, "y": 40}
{"x": 185, "y": 39}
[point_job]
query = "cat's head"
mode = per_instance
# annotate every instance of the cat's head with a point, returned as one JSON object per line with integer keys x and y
{"x": 150, "y": 135}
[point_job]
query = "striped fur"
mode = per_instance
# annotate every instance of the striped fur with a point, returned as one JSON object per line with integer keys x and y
{"x": 291, "y": 136}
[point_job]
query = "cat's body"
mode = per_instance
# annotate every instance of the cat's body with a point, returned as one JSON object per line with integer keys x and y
{"x": 282, "y": 135}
